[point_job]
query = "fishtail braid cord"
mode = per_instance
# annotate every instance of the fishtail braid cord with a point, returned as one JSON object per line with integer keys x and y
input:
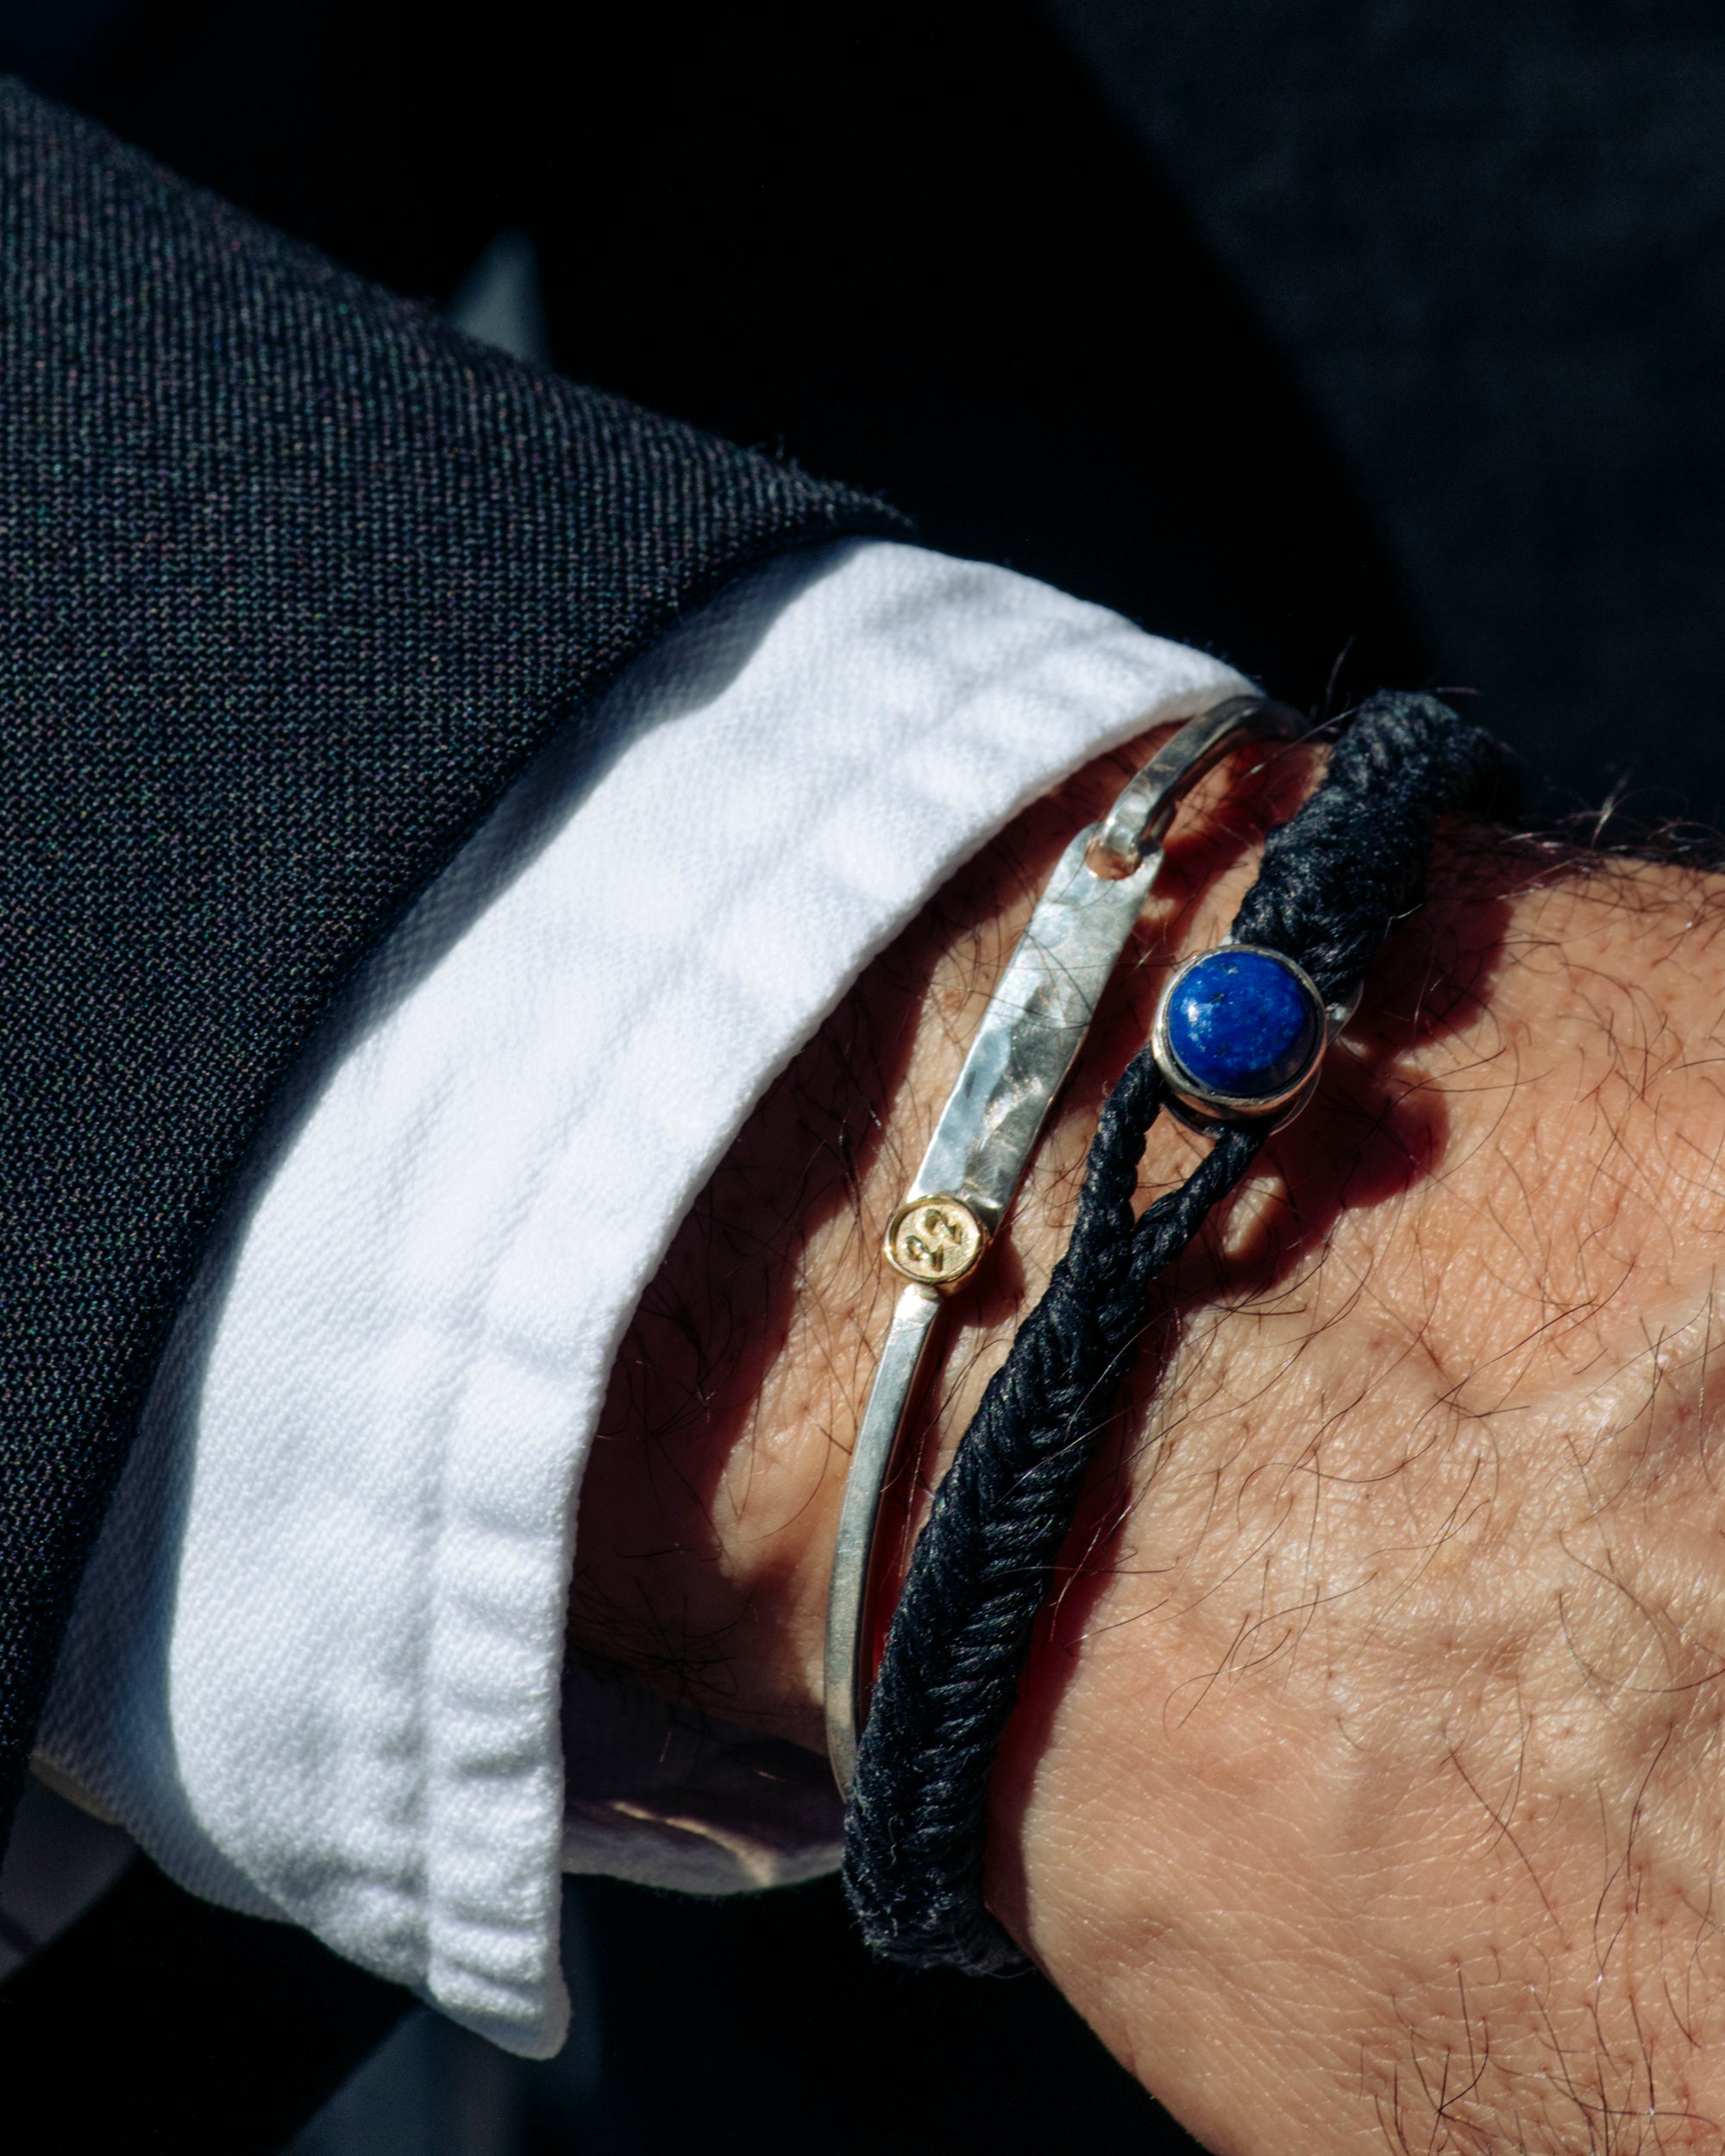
{"x": 1332, "y": 881}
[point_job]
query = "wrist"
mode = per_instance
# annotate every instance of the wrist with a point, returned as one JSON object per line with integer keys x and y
{"x": 710, "y": 1506}
{"x": 1369, "y": 1765}
{"x": 1316, "y": 1742}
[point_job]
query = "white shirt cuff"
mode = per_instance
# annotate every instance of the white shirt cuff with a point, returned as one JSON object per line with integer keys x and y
{"x": 316, "y": 1666}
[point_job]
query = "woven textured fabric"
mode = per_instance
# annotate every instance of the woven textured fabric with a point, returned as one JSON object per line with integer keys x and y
{"x": 293, "y": 580}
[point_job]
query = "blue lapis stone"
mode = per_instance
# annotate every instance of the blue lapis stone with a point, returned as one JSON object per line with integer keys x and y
{"x": 1243, "y": 1022}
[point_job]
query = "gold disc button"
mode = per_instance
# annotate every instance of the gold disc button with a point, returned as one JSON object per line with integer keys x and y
{"x": 936, "y": 1240}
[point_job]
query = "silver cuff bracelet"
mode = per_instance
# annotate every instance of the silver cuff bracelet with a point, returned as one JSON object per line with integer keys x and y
{"x": 1029, "y": 1036}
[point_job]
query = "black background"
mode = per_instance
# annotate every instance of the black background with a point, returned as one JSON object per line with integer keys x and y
{"x": 1294, "y": 327}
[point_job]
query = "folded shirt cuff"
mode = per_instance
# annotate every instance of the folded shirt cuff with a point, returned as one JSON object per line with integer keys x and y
{"x": 317, "y": 1664}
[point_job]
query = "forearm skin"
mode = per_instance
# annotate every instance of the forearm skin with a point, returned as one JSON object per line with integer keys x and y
{"x": 1366, "y": 1788}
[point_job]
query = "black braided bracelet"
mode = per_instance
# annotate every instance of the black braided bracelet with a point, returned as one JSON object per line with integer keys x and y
{"x": 1333, "y": 881}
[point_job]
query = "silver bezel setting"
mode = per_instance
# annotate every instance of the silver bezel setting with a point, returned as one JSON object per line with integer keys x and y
{"x": 1205, "y": 1110}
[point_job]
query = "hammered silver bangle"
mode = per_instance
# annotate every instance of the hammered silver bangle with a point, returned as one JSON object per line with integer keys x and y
{"x": 1025, "y": 1044}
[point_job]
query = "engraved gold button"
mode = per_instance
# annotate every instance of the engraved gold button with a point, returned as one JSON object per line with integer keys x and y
{"x": 936, "y": 1240}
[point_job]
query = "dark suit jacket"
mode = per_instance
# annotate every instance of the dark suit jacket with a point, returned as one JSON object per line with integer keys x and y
{"x": 295, "y": 579}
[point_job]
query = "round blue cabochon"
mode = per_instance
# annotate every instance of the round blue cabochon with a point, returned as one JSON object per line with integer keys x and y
{"x": 1243, "y": 1022}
